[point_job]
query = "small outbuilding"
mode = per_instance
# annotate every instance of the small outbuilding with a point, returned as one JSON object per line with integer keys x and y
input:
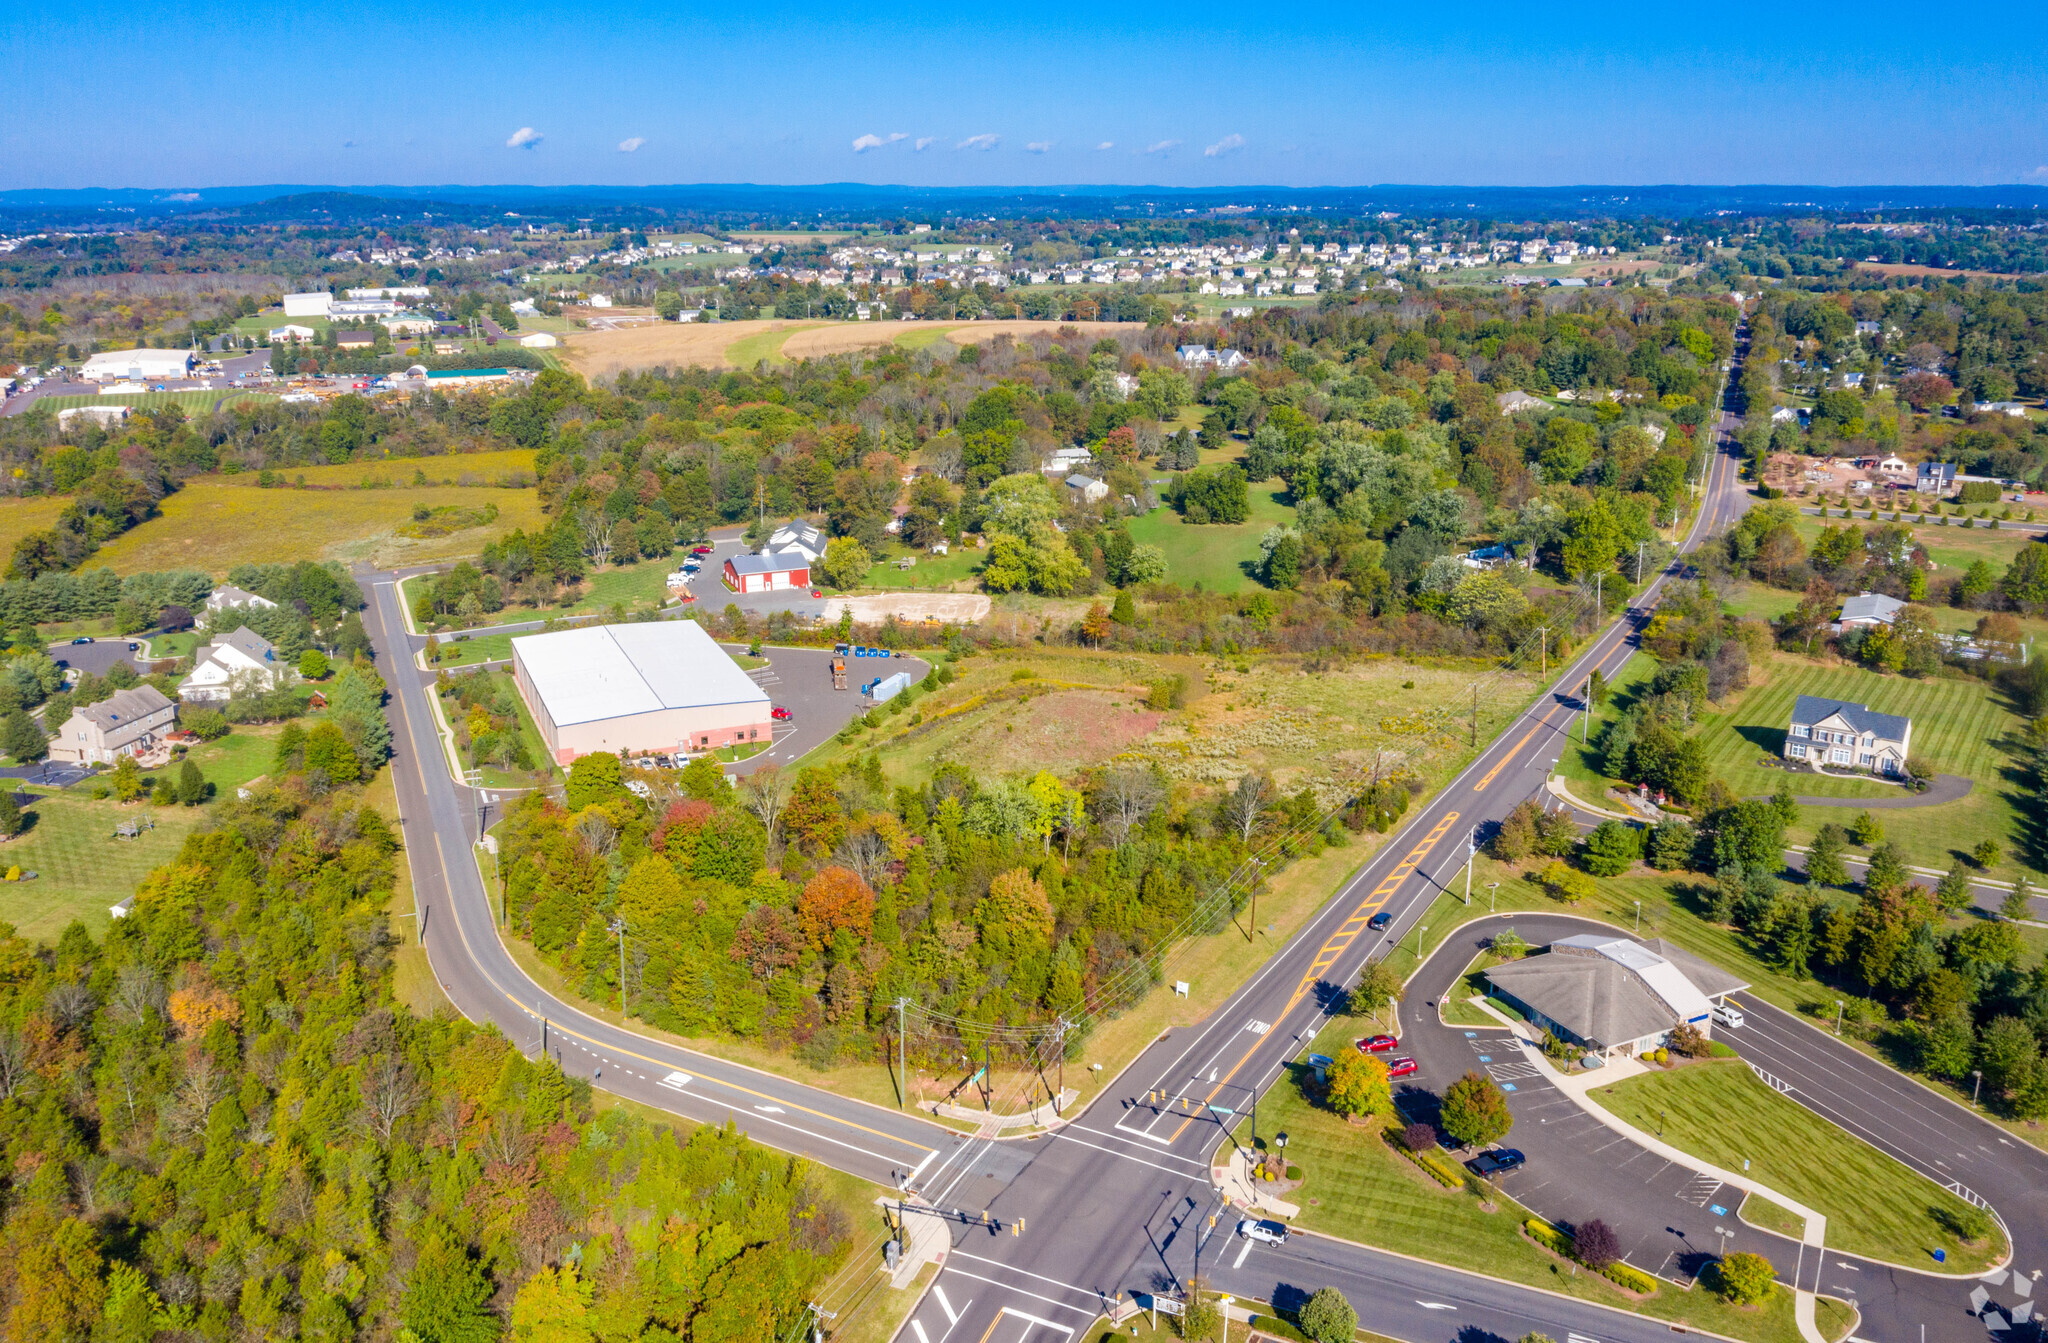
{"x": 767, "y": 573}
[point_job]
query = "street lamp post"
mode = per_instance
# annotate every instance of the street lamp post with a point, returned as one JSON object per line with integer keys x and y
{"x": 1420, "y": 929}
{"x": 1976, "y": 1085}
{"x": 1838, "y": 1018}
{"x": 1471, "y": 857}
{"x": 1723, "y": 1233}
{"x": 1639, "y": 916}
{"x": 1491, "y": 887}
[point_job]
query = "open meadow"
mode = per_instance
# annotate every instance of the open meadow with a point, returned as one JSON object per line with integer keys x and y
{"x": 218, "y": 522}
{"x": 597, "y": 354}
{"x": 20, "y": 516}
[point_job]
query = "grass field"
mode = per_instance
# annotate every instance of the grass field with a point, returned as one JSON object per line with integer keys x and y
{"x": 933, "y": 339}
{"x": 932, "y": 573}
{"x": 1359, "y": 1188}
{"x": 244, "y": 754}
{"x": 466, "y": 468}
{"x": 470, "y": 651}
{"x": 265, "y": 322}
{"x": 748, "y": 351}
{"x": 221, "y": 521}
{"x": 1952, "y": 548}
{"x": 19, "y": 517}
{"x": 83, "y": 868}
{"x": 1217, "y": 557}
{"x": 631, "y": 587}
{"x": 1875, "y": 1207}
{"x": 192, "y": 403}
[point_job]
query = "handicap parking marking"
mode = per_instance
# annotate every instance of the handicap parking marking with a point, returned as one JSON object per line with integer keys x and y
{"x": 1507, "y": 1086}
{"x": 1717, "y": 1210}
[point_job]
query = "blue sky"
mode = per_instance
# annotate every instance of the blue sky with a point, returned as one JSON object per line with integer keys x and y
{"x": 1197, "y": 94}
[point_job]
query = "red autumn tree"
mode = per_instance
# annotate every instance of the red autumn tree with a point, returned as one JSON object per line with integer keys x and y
{"x": 835, "y": 900}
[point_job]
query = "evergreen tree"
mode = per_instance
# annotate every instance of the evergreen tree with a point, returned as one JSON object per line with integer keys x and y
{"x": 2015, "y": 906}
{"x": 23, "y": 740}
{"x": 290, "y": 755}
{"x": 1824, "y": 866}
{"x": 10, "y": 812}
{"x": 191, "y": 784}
{"x": 356, "y": 706}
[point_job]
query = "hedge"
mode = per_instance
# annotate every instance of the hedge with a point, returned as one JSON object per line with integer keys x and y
{"x": 1436, "y": 1166}
{"x": 1561, "y": 1242}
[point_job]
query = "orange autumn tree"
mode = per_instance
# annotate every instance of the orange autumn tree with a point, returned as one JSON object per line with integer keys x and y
{"x": 833, "y": 901}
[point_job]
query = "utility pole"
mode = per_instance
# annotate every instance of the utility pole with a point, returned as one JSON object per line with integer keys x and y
{"x": 1639, "y": 562}
{"x": 1475, "y": 713}
{"x": 1543, "y": 648}
{"x": 1471, "y": 857}
{"x": 618, "y": 930}
{"x": 902, "y": 1079}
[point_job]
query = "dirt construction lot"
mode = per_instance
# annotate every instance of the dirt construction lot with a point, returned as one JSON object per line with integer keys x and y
{"x": 597, "y": 354}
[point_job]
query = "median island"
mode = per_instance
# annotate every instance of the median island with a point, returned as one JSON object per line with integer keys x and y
{"x": 1876, "y": 1207}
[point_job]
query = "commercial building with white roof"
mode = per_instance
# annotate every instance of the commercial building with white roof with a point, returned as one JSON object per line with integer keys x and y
{"x": 656, "y": 688}
{"x": 141, "y": 365}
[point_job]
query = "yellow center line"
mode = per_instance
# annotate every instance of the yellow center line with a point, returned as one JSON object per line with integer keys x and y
{"x": 1333, "y": 949}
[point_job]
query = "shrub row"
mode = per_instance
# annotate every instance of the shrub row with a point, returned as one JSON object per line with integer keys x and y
{"x": 1560, "y": 1241}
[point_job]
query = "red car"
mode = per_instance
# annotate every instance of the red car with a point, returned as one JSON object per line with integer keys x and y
{"x": 1400, "y": 1067}
{"x": 779, "y": 712}
{"x": 1377, "y": 1044}
{"x": 816, "y": 592}
{"x": 700, "y": 550}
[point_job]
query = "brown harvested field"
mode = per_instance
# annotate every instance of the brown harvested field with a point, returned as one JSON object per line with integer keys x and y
{"x": 597, "y": 354}
{"x": 1921, "y": 272}
{"x": 846, "y": 337}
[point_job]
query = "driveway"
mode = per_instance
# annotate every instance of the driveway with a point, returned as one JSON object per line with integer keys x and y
{"x": 48, "y": 773}
{"x": 98, "y": 657}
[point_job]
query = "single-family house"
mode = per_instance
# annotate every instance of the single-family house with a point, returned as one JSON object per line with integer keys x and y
{"x": 1936, "y": 478}
{"x": 1612, "y": 994}
{"x": 799, "y": 538}
{"x": 228, "y": 663}
{"x": 127, "y": 722}
{"x": 2016, "y": 409}
{"x": 1518, "y": 400}
{"x": 290, "y": 332}
{"x": 1866, "y": 609}
{"x": 1065, "y": 461}
{"x": 228, "y": 597}
{"x": 1895, "y": 468}
{"x": 1836, "y": 732}
{"x": 1086, "y": 489}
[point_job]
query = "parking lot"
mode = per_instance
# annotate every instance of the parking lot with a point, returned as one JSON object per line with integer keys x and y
{"x": 800, "y": 680}
{"x": 1665, "y": 1215}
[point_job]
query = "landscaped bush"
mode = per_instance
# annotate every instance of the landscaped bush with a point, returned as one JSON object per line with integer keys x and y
{"x": 1548, "y": 1236}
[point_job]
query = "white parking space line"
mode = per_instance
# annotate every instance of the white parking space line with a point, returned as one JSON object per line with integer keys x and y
{"x": 952, "y": 1315}
{"x": 918, "y": 1329}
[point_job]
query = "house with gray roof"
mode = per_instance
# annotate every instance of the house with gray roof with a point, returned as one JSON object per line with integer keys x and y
{"x": 244, "y": 658}
{"x": 1848, "y": 736}
{"x": 1612, "y": 994}
{"x": 1866, "y": 609}
{"x": 127, "y": 722}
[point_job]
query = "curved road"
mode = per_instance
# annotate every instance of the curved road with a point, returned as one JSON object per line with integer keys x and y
{"x": 1116, "y": 1201}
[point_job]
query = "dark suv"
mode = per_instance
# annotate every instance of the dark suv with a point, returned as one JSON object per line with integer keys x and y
{"x": 1499, "y": 1161}
{"x": 1380, "y": 920}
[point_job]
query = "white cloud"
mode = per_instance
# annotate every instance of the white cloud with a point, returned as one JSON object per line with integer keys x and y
{"x": 526, "y": 137}
{"x": 1224, "y": 146}
{"x": 982, "y": 141}
{"x": 867, "y": 142}
{"x": 1106, "y": 144}
{"x": 1162, "y": 146}
{"x": 631, "y": 143}
{"x": 1039, "y": 146}
{"x": 925, "y": 142}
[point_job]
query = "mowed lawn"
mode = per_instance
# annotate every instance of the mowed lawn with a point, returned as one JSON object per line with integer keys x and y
{"x": 82, "y": 868}
{"x": 192, "y": 403}
{"x": 1220, "y": 558}
{"x": 221, "y": 521}
{"x": 1957, "y": 725}
{"x": 1875, "y": 1206}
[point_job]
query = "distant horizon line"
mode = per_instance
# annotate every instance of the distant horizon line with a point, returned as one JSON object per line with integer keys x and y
{"x": 172, "y": 190}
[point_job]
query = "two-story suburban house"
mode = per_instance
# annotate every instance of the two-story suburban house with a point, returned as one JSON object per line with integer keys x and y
{"x": 127, "y": 722}
{"x": 796, "y": 538}
{"x": 244, "y": 657}
{"x": 228, "y": 597}
{"x": 1847, "y": 736}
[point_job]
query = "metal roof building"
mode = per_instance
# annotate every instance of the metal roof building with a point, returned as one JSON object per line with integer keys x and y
{"x": 660, "y": 687}
{"x": 115, "y": 365}
{"x": 1611, "y": 993}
